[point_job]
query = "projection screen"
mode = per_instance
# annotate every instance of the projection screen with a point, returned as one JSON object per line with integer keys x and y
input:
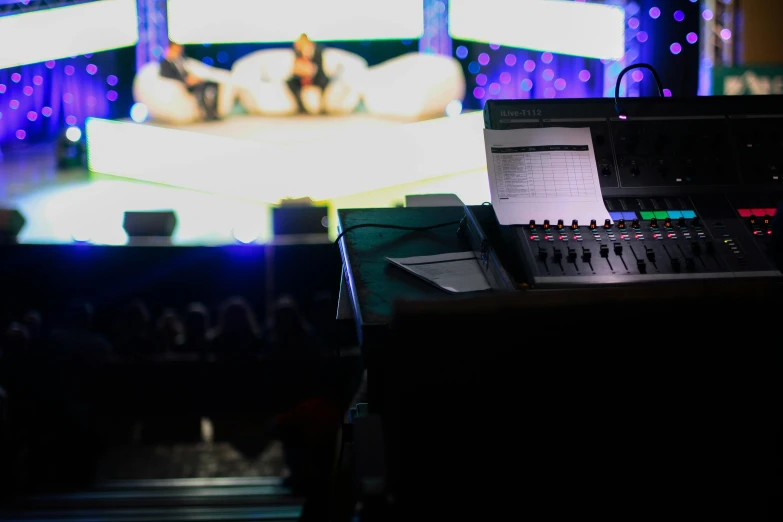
{"x": 62, "y": 32}
{"x": 241, "y": 21}
{"x": 562, "y": 27}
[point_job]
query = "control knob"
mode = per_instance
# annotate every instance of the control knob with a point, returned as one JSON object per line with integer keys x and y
{"x": 546, "y": 224}
{"x": 560, "y": 224}
{"x": 593, "y": 224}
{"x": 532, "y": 224}
{"x": 607, "y": 224}
{"x": 667, "y": 222}
{"x": 681, "y": 222}
{"x": 574, "y": 224}
{"x": 654, "y": 223}
{"x": 621, "y": 224}
{"x": 635, "y": 223}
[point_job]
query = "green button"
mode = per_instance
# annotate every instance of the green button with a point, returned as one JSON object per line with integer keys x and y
{"x": 647, "y": 216}
{"x": 661, "y": 214}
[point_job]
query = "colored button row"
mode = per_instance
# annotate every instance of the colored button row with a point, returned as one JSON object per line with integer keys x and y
{"x": 663, "y": 214}
{"x": 747, "y": 212}
{"x": 647, "y": 215}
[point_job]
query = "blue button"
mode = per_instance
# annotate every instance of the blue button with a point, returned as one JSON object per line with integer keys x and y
{"x": 616, "y": 216}
{"x": 688, "y": 214}
{"x": 629, "y": 215}
{"x": 675, "y": 214}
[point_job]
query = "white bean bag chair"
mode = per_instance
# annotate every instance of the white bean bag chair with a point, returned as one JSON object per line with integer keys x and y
{"x": 260, "y": 78}
{"x": 413, "y": 86}
{"x": 169, "y": 101}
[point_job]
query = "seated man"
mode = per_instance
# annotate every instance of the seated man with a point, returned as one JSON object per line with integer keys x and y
{"x": 173, "y": 67}
{"x": 308, "y": 70}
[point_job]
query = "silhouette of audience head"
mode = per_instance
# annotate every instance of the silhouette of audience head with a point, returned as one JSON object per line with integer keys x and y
{"x": 15, "y": 339}
{"x": 170, "y": 329}
{"x": 197, "y": 324}
{"x": 238, "y": 320}
{"x": 79, "y": 315}
{"x": 33, "y": 321}
{"x": 288, "y": 319}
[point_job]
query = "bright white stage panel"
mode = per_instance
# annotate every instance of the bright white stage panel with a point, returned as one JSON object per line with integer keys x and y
{"x": 67, "y": 31}
{"x": 562, "y": 27}
{"x": 350, "y": 161}
{"x": 235, "y": 21}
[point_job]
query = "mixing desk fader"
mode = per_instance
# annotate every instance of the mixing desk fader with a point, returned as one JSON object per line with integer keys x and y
{"x": 692, "y": 188}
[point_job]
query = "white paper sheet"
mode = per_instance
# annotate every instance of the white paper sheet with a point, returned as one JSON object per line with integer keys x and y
{"x": 544, "y": 174}
{"x": 455, "y": 273}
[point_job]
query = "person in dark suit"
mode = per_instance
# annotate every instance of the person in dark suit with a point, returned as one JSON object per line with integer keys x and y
{"x": 173, "y": 67}
{"x": 308, "y": 70}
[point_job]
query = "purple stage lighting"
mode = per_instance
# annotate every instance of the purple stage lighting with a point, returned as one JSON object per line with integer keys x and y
{"x": 655, "y": 12}
{"x": 679, "y": 16}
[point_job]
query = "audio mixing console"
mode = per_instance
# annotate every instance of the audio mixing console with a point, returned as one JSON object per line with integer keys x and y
{"x": 692, "y": 187}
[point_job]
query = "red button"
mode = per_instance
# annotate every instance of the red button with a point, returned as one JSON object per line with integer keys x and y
{"x": 744, "y": 212}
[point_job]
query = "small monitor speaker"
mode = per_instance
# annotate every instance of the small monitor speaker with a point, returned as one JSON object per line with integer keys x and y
{"x": 150, "y": 224}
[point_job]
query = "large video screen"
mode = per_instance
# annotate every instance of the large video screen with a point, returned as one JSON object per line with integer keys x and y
{"x": 246, "y": 21}
{"x": 62, "y": 32}
{"x": 561, "y": 27}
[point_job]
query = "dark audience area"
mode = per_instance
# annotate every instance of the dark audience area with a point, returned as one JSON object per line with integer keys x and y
{"x": 83, "y": 376}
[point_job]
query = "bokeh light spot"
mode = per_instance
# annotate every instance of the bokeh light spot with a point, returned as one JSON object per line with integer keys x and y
{"x": 37, "y": 80}
{"x": 474, "y": 67}
{"x": 675, "y": 48}
{"x": 642, "y": 36}
{"x": 637, "y": 75}
{"x": 69, "y": 70}
{"x": 28, "y": 91}
{"x": 548, "y": 74}
{"x": 112, "y": 80}
{"x": 21, "y": 134}
{"x": 483, "y": 59}
{"x": 112, "y": 95}
{"x": 584, "y": 75}
{"x": 547, "y": 57}
{"x": 505, "y": 77}
{"x": 679, "y": 15}
{"x": 46, "y": 111}
{"x": 560, "y": 84}
{"x": 462, "y": 52}
{"x": 479, "y": 92}
{"x": 549, "y": 92}
{"x": 32, "y": 115}
{"x": 526, "y": 84}
{"x": 692, "y": 38}
{"x": 633, "y": 23}
{"x": 481, "y": 79}
{"x": 494, "y": 88}
{"x": 655, "y": 12}
{"x": 71, "y": 120}
{"x": 530, "y": 65}
{"x": 511, "y": 60}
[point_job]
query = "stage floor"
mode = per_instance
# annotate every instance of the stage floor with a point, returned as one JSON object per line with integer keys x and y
{"x": 75, "y": 204}
{"x": 266, "y": 159}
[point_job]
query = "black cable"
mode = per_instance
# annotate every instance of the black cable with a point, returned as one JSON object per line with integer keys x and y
{"x": 395, "y": 227}
{"x": 620, "y": 113}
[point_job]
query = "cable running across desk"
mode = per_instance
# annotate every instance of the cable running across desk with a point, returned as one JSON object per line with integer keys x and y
{"x": 395, "y": 227}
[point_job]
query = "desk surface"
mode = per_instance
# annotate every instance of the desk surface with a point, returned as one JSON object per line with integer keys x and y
{"x": 375, "y": 284}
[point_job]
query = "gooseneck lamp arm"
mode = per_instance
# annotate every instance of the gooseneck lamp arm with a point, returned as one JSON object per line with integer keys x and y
{"x": 620, "y": 113}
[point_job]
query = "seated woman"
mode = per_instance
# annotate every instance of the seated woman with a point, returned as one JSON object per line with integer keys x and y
{"x": 308, "y": 70}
